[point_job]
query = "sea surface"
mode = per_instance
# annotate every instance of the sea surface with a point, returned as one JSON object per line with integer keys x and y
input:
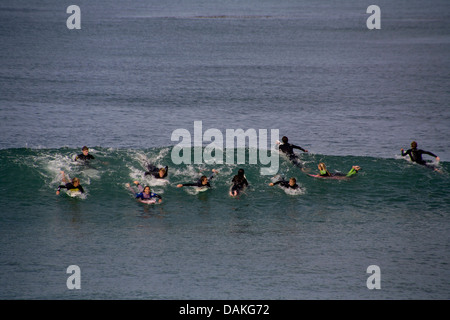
{"x": 139, "y": 71}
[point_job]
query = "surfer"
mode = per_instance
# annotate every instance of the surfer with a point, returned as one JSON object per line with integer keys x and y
{"x": 201, "y": 183}
{"x": 73, "y": 186}
{"x": 144, "y": 192}
{"x": 291, "y": 184}
{"x": 416, "y": 154}
{"x": 157, "y": 173}
{"x": 323, "y": 171}
{"x": 84, "y": 156}
{"x": 288, "y": 149}
{"x": 239, "y": 183}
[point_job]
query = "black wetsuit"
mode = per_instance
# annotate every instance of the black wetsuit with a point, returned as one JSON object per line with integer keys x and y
{"x": 199, "y": 183}
{"x": 239, "y": 182}
{"x": 416, "y": 155}
{"x": 285, "y": 184}
{"x": 69, "y": 186}
{"x": 84, "y": 158}
{"x": 288, "y": 149}
{"x": 154, "y": 171}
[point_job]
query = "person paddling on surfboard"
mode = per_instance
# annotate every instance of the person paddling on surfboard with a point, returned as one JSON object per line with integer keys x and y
{"x": 239, "y": 183}
{"x": 144, "y": 192}
{"x": 156, "y": 173}
{"x": 203, "y": 182}
{"x": 291, "y": 184}
{"x": 323, "y": 171}
{"x": 73, "y": 186}
{"x": 416, "y": 154}
{"x": 288, "y": 149}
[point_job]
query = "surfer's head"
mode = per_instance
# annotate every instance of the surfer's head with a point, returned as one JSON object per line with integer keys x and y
{"x": 162, "y": 172}
{"x": 204, "y": 180}
{"x": 284, "y": 139}
{"x": 147, "y": 190}
{"x": 241, "y": 172}
{"x": 322, "y": 166}
{"x": 76, "y": 182}
{"x": 85, "y": 150}
{"x": 292, "y": 181}
{"x": 413, "y": 144}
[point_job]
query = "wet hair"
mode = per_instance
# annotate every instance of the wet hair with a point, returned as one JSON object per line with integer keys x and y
{"x": 85, "y": 148}
{"x": 162, "y": 169}
{"x": 322, "y": 166}
{"x": 75, "y": 180}
{"x": 241, "y": 172}
{"x": 203, "y": 178}
{"x": 149, "y": 190}
{"x": 293, "y": 179}
{"x": 413, "y": 144}
{"x": 284, "y": 139}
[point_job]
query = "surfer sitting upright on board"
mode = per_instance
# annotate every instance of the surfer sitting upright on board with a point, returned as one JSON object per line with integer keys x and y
{"x": 73, "y": 186}
{"x": 144, "y": 192}
{"x": 288, "y": 149}
{"x": 416, "y": 154}
{"x": 202, "y": 182}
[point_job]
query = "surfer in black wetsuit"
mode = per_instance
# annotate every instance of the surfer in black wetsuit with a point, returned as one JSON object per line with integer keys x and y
{"x": 202, "y": 182}
{"x": 416, "y": 154}
{"x": 84, "y": 156}
{"x": 288, "y": 149}
{"x": 160, "y": 173}
{"x": 291, "y": 184}
{"x": 72, "y": 186}
{"x": 239, "y": 183}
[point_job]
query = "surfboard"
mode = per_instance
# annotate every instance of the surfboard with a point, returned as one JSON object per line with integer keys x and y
{"x": 147, "y": 201}
{"x": 328, "y": 177}
{"x": 74, "y": 193}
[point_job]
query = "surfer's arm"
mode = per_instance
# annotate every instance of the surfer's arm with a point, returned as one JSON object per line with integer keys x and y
{"x": 275, "y": 183}
{"x": 430, "y": 153}
{"x": 154, "y": 195}
{"x": 299, "y": 148}
{"x": 405, "y": 153}
{"x": 80, "y": 188}
{"x": 187, "y": 185}
{"x": 214, "y": 171}
{"x": 59, "y": 188}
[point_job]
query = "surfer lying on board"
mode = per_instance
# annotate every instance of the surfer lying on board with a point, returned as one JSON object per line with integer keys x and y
{"x": 84, "y": 156}
{"x": 73, "y": 186}
{"x": 239, "y": 183}
{"x": 291, "y": 184}
{"x": 144, "y": 192}
{"x": 323, "y": 172}
{"x": 288, "y": 149}
{"x": 156, "y": 173}
{"x": 201, "y": 183}
{"x": 416, "y": 154}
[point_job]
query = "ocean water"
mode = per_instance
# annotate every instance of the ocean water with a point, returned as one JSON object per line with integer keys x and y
{"x": 137, "y": 71}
